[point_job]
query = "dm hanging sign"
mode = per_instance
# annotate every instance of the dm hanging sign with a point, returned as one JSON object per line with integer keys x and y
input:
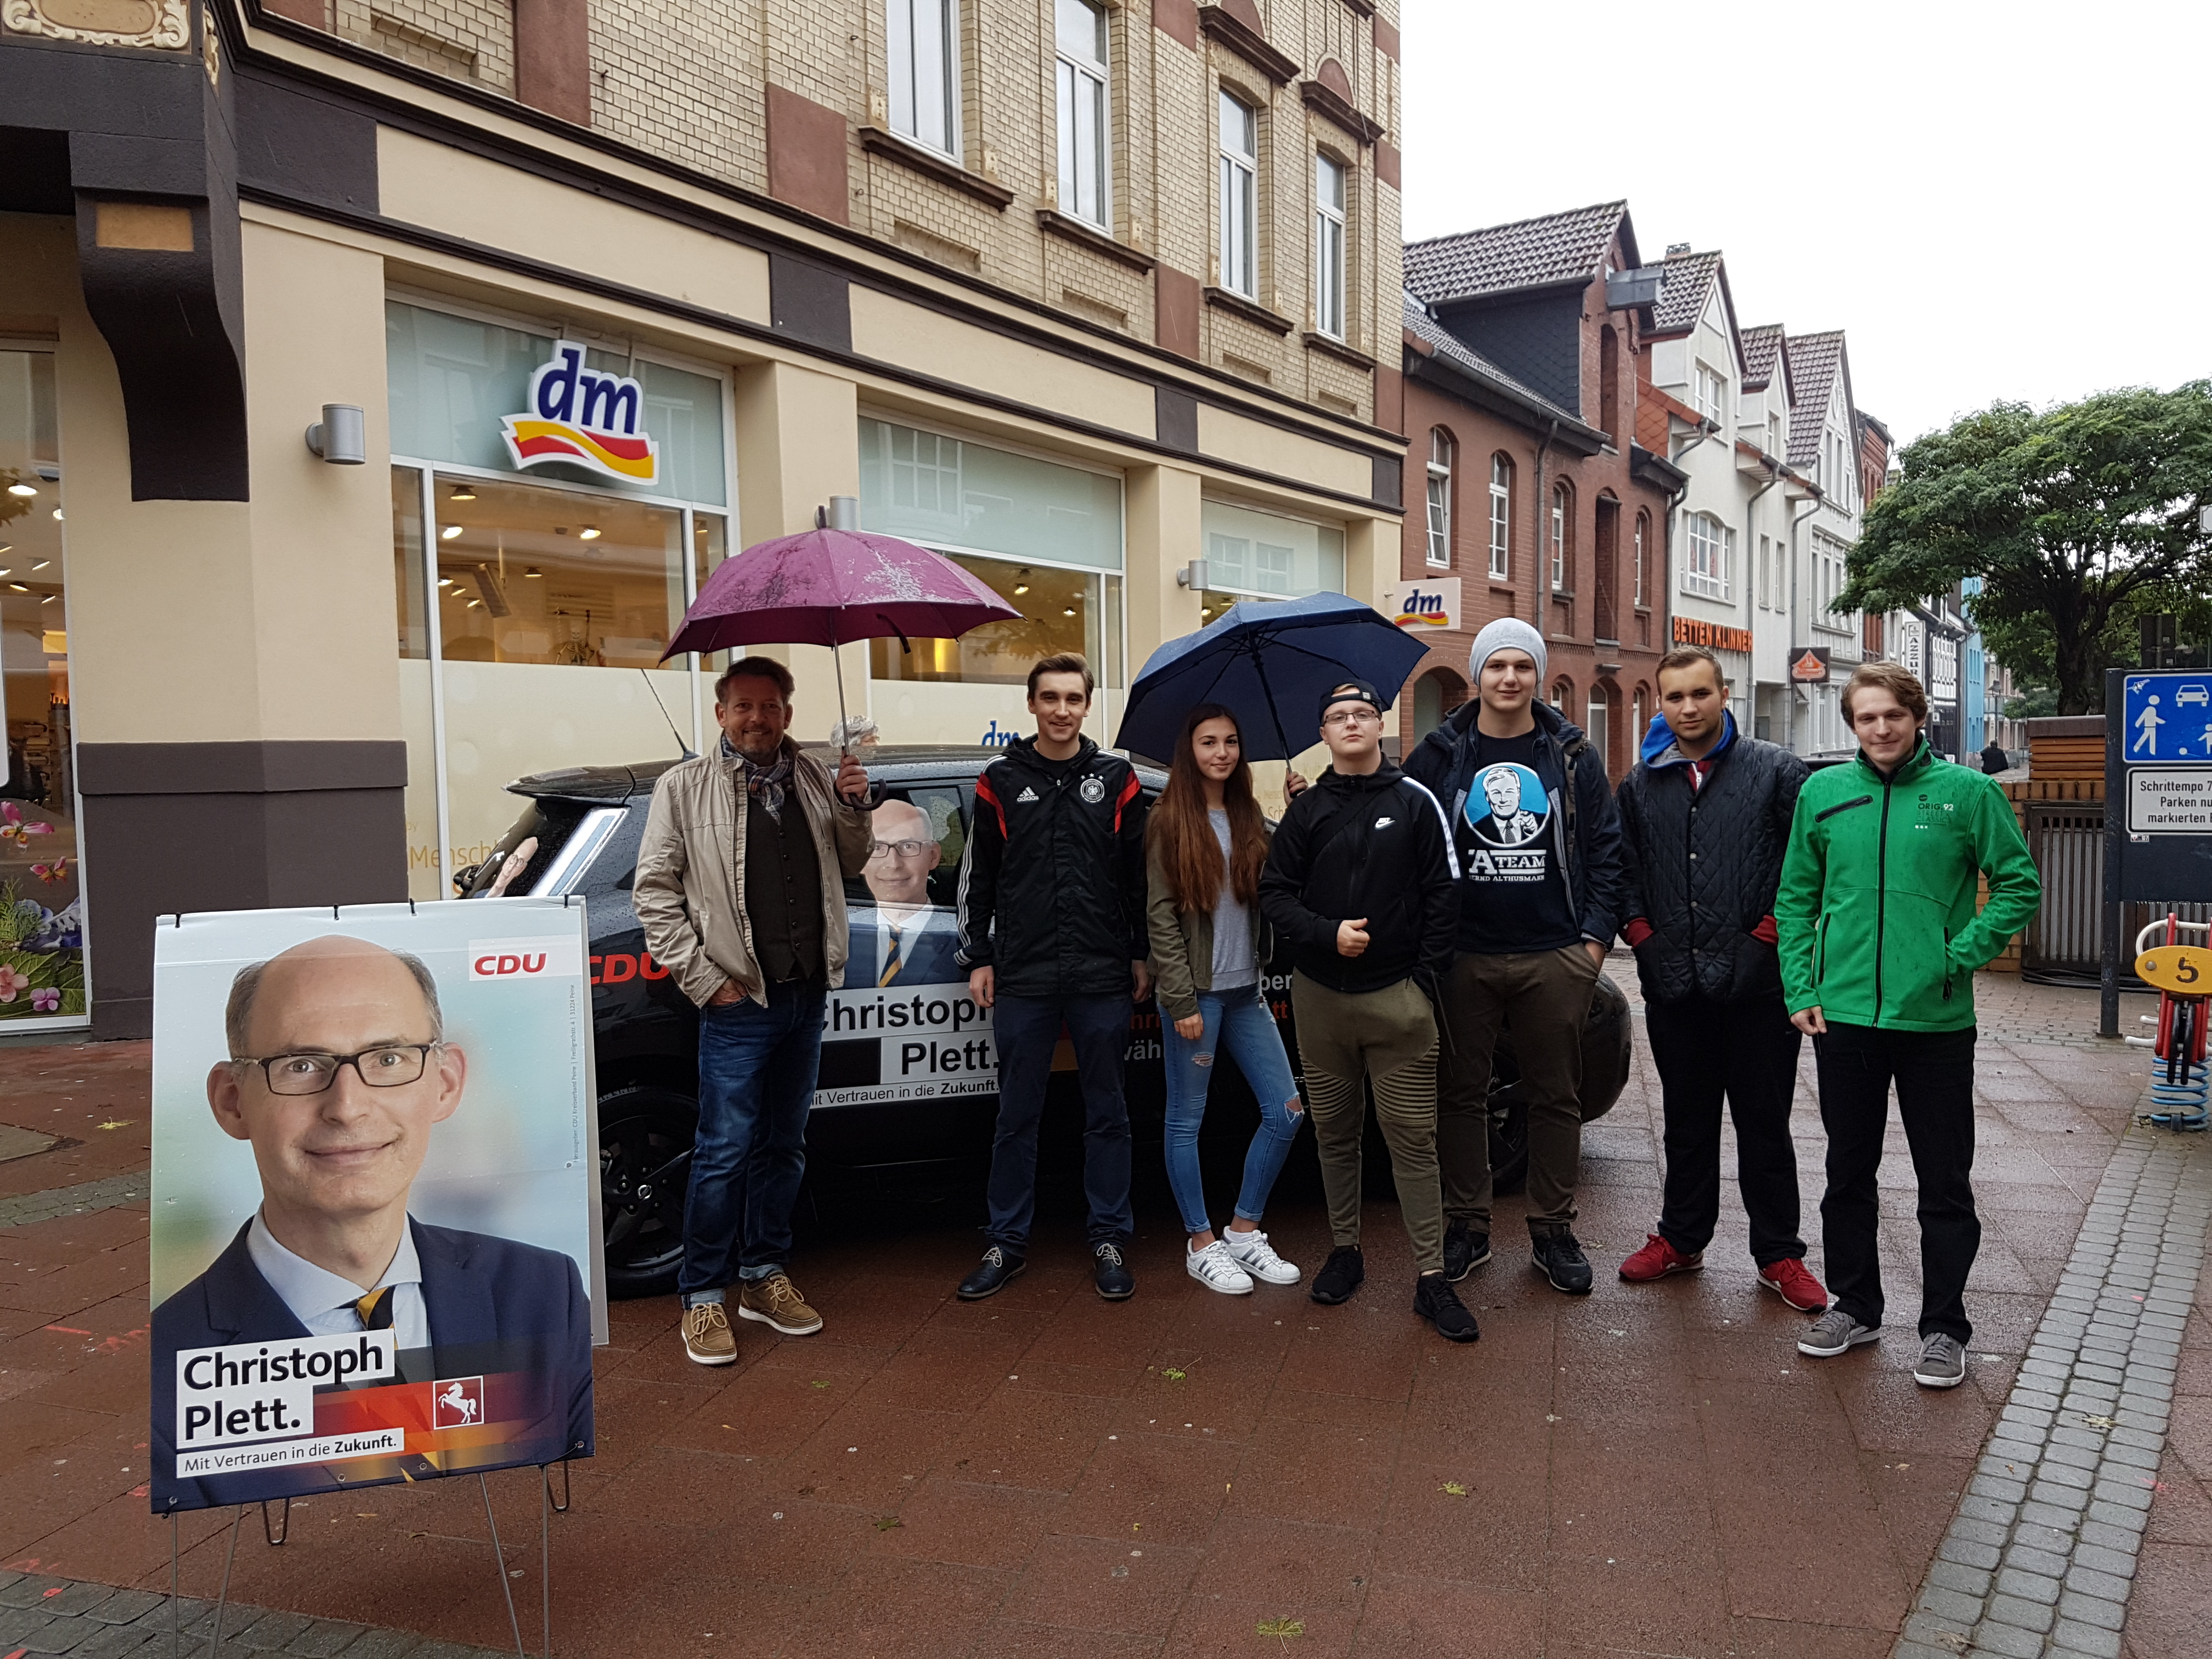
{"x": 1433, "y": 602}
{"x": 585, "y": 418}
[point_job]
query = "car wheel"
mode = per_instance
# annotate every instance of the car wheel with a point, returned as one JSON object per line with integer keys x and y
{"x": 645, "y": 1168}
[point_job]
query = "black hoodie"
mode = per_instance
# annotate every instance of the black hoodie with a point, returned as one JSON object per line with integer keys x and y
{"x": 1371, "y": 845}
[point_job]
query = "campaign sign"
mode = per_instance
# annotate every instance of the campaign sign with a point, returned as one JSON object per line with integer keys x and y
{"x": 905, "y": 1026}
{"x": 374, "y": 1232}
{"x": 2166, "y": 720}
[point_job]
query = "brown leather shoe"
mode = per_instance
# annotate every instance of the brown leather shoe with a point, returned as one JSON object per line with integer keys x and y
{"x": 707, "y": 1338}
{"x": 776, "y": 1302}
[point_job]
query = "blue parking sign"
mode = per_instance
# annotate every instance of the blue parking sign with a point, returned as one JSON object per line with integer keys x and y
{"x": 2166, "y": 719}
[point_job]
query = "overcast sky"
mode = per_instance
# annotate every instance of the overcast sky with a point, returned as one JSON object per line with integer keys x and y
{"x": 1995, "y": 200}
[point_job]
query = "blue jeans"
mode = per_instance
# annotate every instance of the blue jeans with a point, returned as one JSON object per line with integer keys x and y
{"x": 1026, "y": 1030}
{"x": 1237, "y": 1023}
{"x": 756, "y": 1069}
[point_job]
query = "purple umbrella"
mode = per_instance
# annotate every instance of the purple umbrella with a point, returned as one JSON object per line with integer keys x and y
{"x": 830, "y": 587}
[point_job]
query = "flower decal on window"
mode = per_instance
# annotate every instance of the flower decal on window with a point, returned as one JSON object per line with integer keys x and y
{"x": 14, "y": 828}
{"x": 12, "y": 983}
{"x": 48, "y": 1000}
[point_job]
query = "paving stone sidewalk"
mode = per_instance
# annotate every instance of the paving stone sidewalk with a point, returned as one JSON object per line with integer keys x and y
{"x": 1650, "y": 1470}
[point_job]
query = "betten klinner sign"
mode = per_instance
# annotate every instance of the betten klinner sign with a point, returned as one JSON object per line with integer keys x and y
{"x": 584, "y": 417}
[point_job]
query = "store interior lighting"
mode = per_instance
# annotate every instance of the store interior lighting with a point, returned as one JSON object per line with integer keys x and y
{"x": 589, "y": 532}
{"x": 449, "y": 532}
{"x": 533, "y": 573}
{"x": 22, "y": 489}
{"x": 462, "y": 492}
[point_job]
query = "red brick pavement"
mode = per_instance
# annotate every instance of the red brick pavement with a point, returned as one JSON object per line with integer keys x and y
{"x": 1653, "y": 1468}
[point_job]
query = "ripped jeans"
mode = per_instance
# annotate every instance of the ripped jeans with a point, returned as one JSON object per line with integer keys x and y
{"x": 1239, "y": 1023}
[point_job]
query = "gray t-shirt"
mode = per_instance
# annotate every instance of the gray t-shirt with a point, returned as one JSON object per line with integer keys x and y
{"x": 1235, "y": 966}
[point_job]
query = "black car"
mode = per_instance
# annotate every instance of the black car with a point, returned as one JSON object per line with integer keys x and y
{"x": 906, "y": 1096}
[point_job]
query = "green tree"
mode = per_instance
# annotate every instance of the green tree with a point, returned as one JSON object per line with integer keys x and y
{"x": 2078, "y": 518}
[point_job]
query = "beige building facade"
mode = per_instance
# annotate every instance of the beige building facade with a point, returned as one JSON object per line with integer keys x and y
{"x": 1100, "y": 300}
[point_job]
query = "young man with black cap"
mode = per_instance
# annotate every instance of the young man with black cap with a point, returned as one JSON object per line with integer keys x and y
{"x": 1359, "y": 888}
{"x": 1537, "y": 842}
{"x": 1052, "y": 930}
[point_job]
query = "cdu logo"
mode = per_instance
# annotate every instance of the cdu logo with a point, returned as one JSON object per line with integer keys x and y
{"x": 525, "y": 958}
{"x": 584, "y": 417}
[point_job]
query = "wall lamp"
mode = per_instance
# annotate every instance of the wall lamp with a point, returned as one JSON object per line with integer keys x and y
{"x": 1192, "y": 575}
{"x": 341, "y": 437}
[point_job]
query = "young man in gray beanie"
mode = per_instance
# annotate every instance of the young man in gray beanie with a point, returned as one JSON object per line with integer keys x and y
{"x": 1538, "y": 841}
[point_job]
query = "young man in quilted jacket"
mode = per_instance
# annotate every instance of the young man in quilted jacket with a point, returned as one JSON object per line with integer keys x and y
{"x": 1704, "y": 820}
{"x": 1880, "y": 941}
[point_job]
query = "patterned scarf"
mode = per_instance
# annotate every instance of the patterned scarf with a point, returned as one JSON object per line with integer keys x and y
{"x": 765, "y": 784}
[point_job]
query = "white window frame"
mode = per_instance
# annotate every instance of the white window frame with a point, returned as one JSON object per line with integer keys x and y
{"x": 1642, "y": 525}
{"x": 1704, "y": 571}
{"x": 1501, "y": 519}
{"x": 1442, "y": 454}
{"x": 1086, "y": 87}
{"x": 1711, "y": 390}
{"x": 1558, "y": 538}
{"x": 925, "y": 97}
{"x": 1239, "y": 229}
{"x": 1329, "y": 262}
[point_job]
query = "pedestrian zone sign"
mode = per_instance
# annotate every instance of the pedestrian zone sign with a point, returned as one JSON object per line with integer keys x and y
{"x": 2166, "y": 719}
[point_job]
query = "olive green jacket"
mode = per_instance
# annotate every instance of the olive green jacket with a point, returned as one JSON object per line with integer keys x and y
{"x": 1182, "y": 940}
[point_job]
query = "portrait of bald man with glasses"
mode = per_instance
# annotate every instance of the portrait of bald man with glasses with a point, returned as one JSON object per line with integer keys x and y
{"x": 338, "y": 1073}
{"x": 906, "y": 939}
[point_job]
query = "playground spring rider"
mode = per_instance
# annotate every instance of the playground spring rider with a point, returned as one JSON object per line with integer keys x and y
{"x": 2181, "y": 1082}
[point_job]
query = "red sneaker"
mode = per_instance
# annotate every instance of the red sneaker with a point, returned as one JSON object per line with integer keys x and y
{"x": 1656, "y": 1260}
{"x": 1789, "y": 1280}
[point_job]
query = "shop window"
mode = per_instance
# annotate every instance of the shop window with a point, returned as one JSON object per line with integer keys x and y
{"x": 1085, "y": 145}
{"x": 1060, "y": 610}
{"x": 42, "y": 980}
{"x": 527, "y": 575}
{"x": 923, "y": 37}
{"x": 453, "y": 379}
{"x": 1258, "y": 555}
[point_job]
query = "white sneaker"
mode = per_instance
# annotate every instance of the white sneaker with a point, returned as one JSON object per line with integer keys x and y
{"x": 1252, "y": 1252}
{"x": 1214, "y": 1268}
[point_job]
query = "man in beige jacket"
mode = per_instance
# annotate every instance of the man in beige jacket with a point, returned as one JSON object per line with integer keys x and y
{"x": 740, "y": 888}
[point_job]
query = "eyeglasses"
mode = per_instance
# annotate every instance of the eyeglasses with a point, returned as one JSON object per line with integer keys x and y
{"x": 1352, "y": 717}
{"x": 390, "y": 1067}
{"x": 904, "y": 849}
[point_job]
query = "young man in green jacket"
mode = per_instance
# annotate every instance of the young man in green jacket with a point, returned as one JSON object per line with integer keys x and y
{"x": 1880, "y": 941}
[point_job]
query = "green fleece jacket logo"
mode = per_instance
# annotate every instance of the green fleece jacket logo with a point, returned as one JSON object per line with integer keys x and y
{"x": 1876, "y": 910}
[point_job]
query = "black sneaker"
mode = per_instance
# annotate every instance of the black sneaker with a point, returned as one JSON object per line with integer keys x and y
{"x": 991, "y": 1274}
{"x": 1558, "y": 1256}
{"x": 1465, "y": 1250}
{"x": 1340, "y": 1275}
{"x": 1436, "y": 1301}
{"x": 1111, "y": 1274}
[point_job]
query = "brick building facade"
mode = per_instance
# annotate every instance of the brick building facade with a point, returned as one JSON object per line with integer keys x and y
{"x": 1524, "y": 482}
{"x": 1092, "y": 295}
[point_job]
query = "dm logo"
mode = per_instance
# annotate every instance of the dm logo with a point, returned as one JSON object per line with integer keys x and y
{"x": 585, "y": 418}
{"x": 1423, "y": 607}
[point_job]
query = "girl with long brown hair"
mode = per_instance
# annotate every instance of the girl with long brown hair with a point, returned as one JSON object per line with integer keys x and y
{"x": 1205, "y": 844}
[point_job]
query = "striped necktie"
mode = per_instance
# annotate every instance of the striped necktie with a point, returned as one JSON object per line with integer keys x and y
{"x": 375, "y": 1309}
{"x": 892, "y": 963}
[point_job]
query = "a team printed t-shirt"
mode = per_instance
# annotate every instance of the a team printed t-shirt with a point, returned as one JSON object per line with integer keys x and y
{"x": 1513, "y": 897}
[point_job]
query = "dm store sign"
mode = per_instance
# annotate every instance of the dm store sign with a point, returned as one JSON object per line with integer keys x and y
{"x": 583, "y": 417}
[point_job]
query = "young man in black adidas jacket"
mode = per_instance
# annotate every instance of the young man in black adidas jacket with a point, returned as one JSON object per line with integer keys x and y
{"x": 1052, "y": 930}
{"x": 1538, "y": 842}
{"x": 1358, "y": 889}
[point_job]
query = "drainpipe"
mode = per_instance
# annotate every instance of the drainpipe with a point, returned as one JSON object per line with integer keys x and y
{"x": 1705, "y": 430}
{"x": 1750, "y": 541}
{"x": 1792, "y": 684}
{"x": 1542, "y": 584}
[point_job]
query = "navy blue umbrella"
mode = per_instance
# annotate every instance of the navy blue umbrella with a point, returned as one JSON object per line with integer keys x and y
{"x": 1267, "y": 661}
